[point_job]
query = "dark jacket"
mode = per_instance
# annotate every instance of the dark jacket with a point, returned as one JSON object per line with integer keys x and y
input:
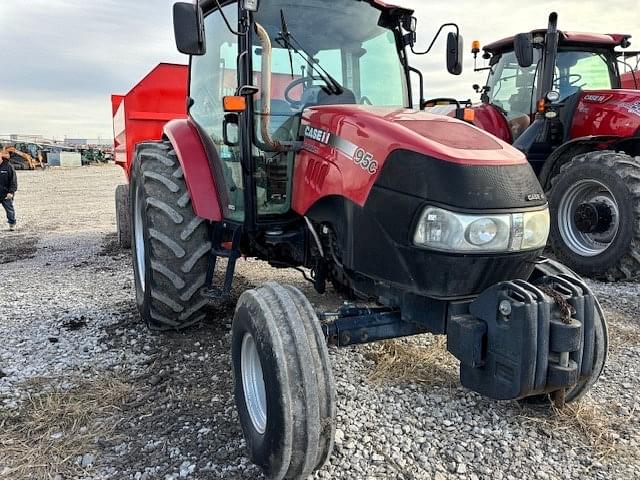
{"x": 8, "y": 179}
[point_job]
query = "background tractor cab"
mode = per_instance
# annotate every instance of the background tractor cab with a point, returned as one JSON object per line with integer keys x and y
{"x": 525, "y": 68}
{"x": 557, "y": 96}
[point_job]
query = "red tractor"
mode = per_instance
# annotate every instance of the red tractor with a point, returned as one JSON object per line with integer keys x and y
{"x": 557, "y": 97}
{"x": 300, "y": 148}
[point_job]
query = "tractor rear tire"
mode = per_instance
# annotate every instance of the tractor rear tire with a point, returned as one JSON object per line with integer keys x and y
{"x": 601, "y": 351}
{"x": 284, "y": 388}
{"x": 170, "y": 243}
{"x": 607, "y": 180}
{"x": 123, "y": 217}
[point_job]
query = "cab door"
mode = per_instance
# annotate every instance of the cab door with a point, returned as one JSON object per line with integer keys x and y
{"x": 214, "y": 76}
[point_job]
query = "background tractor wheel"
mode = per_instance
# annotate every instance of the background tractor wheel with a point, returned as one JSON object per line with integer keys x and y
{"x": 170, "y": 243}
{"x": 284, "y": 386}
{"x": 595, "y": 210}
{"x": 553, "y": 268}
{"x": 123, "y": 217}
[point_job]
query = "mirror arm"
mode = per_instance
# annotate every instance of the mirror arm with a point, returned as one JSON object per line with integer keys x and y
{"x": 226, "y": 21}
{"x": 442, "y": 27}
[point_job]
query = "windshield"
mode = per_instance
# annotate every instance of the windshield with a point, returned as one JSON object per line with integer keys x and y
{"x": 513, "y": 88}
{"x": 577, "y": 70}
{"x": 344, "y": 38}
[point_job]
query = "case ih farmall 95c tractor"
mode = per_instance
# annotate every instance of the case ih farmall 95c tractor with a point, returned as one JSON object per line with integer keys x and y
{"x": 300, "y": 148}
{"x": 557, "y": 97}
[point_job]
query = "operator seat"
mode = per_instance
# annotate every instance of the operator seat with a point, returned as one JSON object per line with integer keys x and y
{"x": 312, "y": 96}
{"x": 317, "y": 95}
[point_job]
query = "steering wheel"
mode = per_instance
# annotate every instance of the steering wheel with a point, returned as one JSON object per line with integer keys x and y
{"x": 297, "y": 104}
{"x": 577, "y": 77}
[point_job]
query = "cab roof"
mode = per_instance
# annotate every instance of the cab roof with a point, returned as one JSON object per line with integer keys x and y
{"x": 380, "y": 4}
{"x": 610, "y": 40}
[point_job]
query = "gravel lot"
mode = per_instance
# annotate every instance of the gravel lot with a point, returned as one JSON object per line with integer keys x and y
{"x": 87, "y": 392}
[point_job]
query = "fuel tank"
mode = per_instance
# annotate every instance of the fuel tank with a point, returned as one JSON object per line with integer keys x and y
{"x": 607, "y": 112}
{"x": 347, "y": 147}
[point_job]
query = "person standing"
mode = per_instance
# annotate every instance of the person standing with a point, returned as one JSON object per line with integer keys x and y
{"x": 8, "y": 188}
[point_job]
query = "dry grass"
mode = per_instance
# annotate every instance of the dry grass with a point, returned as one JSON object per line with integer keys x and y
{"x": 588, "y": 423}
{"x": 404, "y": 361}
{"x": 53, "y": 428}
{"x": 623, "y": 332}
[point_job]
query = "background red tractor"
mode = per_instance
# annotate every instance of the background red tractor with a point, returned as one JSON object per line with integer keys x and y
{"x": 558, "y": 97}
{"x": 299, "y": 148}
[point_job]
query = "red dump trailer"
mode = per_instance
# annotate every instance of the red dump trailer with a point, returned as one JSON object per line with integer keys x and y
{"x": 141, "y": 114}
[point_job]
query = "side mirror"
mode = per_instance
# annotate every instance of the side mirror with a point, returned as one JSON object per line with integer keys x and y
{"x": 188, "y": 26}
{"x": 455, "y": 47}
{"x": 523, "y": 47}
{"x": 231, "y": 130}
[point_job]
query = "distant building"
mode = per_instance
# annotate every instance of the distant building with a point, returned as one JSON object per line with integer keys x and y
{"x": 75, "y": 142}
{"x": 84, "y": 142}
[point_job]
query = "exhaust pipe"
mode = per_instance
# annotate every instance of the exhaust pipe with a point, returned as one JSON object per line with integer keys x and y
{"x": 550, "y": 56}
{"x": 265, "y": 90}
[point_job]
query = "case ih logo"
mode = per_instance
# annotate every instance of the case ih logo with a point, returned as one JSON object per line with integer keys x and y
{"x": 360, "y": 157}
{"x": 596, "y": 98}
{"x": 317, "y": 135}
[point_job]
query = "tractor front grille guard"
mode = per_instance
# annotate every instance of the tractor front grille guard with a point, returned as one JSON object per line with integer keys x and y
{"x": 517, "y": 339}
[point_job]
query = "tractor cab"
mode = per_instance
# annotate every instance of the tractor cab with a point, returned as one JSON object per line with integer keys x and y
{"x": 291, "y": 56}
{"x": 332, "y": 54}
{"x": 525, "y": 68}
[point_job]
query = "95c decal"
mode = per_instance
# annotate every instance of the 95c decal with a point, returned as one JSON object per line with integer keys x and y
{"x": 365, "y": 161}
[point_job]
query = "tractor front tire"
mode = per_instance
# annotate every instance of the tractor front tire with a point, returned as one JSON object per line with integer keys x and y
{"x": 595, "y": 215}
{"x": 123, "y": 217}
{"x": 284, "y": 387}
{"x": 170, "y": 243}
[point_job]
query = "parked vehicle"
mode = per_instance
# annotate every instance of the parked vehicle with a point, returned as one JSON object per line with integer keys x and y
{"x": 558, "y": 97}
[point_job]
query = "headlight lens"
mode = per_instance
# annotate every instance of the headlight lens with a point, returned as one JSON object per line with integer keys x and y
{"x": 440, "y": 229}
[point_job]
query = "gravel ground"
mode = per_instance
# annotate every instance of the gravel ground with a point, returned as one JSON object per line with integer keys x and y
{"x": 87, "y": 392}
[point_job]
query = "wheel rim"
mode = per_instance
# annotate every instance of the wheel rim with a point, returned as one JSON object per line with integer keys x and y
{"x": 253, "y": 384}
{"x": 579, "y": 194}
{"x": 139, "y": 238}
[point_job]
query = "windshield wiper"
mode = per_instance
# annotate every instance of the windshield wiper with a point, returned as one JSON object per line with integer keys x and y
{"x": 288, "y": 41}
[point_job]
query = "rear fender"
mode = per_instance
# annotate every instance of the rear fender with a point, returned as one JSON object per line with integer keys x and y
{"x": 186, "y": 141}
{"x": 568, "y": 151}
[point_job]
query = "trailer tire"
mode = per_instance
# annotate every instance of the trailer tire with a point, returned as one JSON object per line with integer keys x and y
{"x": 289, "y": 420}
{"x": 123, "y": 217}
{"x": 170, "y": 243}
{"x": 601, "y": 351}
{"x": 607, "y": 180}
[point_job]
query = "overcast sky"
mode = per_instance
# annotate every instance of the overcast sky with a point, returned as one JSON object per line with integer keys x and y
{"x": 60, "y": 60}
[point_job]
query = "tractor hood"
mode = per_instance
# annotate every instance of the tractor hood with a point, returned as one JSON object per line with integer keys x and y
{"x": 350, "y": 149}
{"x": 608, "y": 113}
{"x": 380, "y": 131}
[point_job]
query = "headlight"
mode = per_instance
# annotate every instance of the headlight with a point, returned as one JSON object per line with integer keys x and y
{"x": 440, "y": 229}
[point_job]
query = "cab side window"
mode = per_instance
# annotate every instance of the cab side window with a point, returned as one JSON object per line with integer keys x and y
{"x": 213, "y": 76}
